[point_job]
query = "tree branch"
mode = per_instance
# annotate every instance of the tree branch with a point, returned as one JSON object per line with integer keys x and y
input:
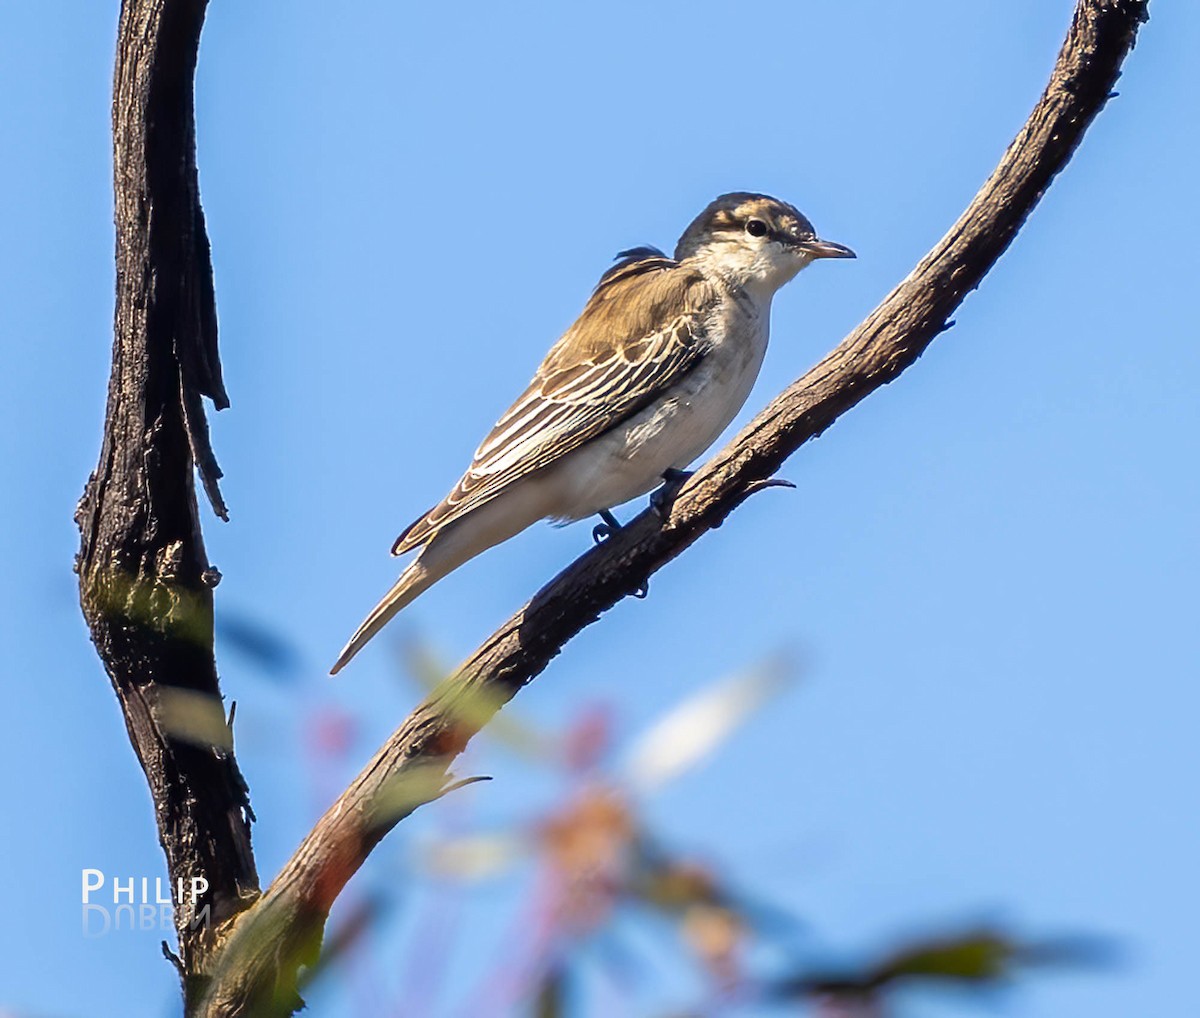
{"x": 145, "y": 584}
{"x": 269, "y": 941}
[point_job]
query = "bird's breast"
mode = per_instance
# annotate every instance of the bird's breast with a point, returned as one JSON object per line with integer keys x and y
{"x": 672, "y": 432}
{"x": 713, "y": 394}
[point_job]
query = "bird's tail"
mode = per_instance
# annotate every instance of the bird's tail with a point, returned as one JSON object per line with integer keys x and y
{"x": 415, "y": 580}
{"x": 447, "y": 549}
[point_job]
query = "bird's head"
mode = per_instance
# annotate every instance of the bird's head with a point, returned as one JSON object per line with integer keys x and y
{"x": 755, "y": 241}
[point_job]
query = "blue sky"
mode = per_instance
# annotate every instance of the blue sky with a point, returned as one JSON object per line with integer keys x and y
{"x": 988, "y": 569}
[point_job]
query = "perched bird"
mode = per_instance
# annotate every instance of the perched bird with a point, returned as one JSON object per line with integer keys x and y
{"x": 660, "y": 361}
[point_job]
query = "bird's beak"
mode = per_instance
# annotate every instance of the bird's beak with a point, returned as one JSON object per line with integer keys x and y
{"x": 826, "y": 249}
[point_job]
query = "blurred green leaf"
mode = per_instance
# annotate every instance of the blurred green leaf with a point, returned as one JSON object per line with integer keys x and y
{"x": 198, "y": 718}
{"x": 478, "y": 707}
{"x": 971, "y": 957}
{"x": 349, "y": 933}
{"x": 415, "y": 784}
{"x": 979, "y": 957}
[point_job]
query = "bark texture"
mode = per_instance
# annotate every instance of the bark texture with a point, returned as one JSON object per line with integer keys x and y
{"x": 145, "y": 583}
{"x": 257, "y": 972}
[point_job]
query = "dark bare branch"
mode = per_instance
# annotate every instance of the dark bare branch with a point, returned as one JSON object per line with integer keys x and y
{"x": 144, "y": 579}
{"x": 283, "y": 929}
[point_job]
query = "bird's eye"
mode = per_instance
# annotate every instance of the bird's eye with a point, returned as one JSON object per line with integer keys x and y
{"x": 756, "y": 228}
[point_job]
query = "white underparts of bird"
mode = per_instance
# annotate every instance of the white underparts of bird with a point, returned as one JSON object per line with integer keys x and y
{"x": 658, "y": 364}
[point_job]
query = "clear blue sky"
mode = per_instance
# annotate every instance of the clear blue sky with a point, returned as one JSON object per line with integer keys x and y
{"x": 989, "y": 567}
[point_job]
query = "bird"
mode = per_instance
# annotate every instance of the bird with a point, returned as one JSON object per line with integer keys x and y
{"x": 657, "y": 365}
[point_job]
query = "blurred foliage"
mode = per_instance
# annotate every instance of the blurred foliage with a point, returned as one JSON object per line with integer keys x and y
{"x": 271, "y": 653}
{"x": 980, "y": 958}
{"x": 198, "y": 718}
{"x": 601, "y": 869}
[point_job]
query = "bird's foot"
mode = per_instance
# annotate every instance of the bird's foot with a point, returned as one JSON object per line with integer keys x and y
{"x": 603, "y": 531}
{"x": 673, "y": 480}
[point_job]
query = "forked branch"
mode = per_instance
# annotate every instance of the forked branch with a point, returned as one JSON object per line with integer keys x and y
{"x": 257, "y": 972}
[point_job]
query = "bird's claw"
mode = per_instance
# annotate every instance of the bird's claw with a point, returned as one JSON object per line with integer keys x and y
{"x": 673, "y": 480}
{"x": 603, "y": 531}
{"x": 643, "y": 591}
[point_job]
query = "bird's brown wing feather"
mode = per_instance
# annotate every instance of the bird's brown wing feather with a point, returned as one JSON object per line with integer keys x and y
{"x": 640, "y": 333}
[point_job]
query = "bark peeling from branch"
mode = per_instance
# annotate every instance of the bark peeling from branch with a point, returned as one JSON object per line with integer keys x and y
{"x": 283, "y": 929}
{"x": 144, "y": 580}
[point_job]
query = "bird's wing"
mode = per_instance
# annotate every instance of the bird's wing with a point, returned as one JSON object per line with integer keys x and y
{"x": 640, "y": 333}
